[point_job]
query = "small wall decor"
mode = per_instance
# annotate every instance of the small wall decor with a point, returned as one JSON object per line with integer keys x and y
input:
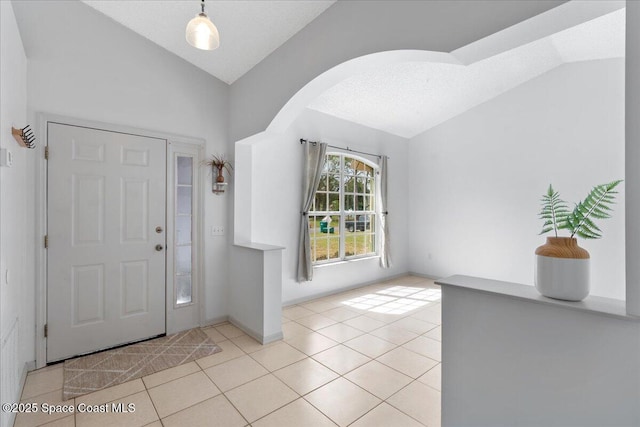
{"x": 218, "y": 164}
{"x": 24, "y": 137}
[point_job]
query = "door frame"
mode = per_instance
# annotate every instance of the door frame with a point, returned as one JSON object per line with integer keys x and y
{"x": 43, "y": 119}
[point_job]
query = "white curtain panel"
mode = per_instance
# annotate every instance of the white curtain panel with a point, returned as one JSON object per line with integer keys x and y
{"x": 314, "y": 158}
{"x": 385, "y": 250}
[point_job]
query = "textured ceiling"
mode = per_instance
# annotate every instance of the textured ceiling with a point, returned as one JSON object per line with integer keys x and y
{"x": 249, "y": 30}
{"x": 409, "y": 98}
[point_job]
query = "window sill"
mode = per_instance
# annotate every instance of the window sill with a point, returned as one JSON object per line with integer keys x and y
{"x": 346, "y": 261}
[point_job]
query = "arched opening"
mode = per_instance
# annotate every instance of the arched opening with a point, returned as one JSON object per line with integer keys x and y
{"x": 480, "y": 163}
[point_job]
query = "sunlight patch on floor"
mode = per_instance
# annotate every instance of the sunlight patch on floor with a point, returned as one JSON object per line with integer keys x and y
{"x": 395, "y": 300}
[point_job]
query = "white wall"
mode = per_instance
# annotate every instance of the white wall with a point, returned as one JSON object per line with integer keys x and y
{"x": 476, "y": 180}
{"x": 514, "y": 361}
{"x": 82, "y": 64}
{"x": 350, "y": 29}
{"x": 255, "y": 300}
{"x": 16, "y": 208}
{"x": 276, "y": 200}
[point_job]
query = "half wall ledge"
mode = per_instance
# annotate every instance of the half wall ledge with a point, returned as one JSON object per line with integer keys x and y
{"x": 593, "y": 304}
{"x": 513, "y": 357}
{"x": 255, "y": 294}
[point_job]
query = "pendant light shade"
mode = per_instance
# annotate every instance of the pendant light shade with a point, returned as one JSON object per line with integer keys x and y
{"x": 201, "y": 33}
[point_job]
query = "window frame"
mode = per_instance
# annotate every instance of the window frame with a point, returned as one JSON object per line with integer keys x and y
{"x": 342, "y": 213}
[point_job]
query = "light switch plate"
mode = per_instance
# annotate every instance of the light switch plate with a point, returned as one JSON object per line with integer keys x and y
{"x": 6, "y": 158}
{"x": 217, "y": 230}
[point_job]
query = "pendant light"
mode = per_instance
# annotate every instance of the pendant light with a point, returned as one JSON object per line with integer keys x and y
{"x": 201, "y": 33}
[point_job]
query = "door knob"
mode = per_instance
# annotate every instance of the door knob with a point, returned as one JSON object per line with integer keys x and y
{"x": 158, "y": 248}
{"x": 158, "y": 230}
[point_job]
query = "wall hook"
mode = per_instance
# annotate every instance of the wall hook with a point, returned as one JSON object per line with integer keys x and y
{"x": 24, "y": 136}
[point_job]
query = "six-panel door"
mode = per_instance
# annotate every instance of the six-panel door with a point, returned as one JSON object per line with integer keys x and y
{"x": 106, "y": 260}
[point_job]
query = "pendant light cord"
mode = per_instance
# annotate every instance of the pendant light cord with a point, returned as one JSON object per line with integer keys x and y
{"x": 202, "y": 6}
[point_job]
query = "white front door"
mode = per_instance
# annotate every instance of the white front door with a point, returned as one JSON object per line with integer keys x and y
{"x": 106, "y": 239}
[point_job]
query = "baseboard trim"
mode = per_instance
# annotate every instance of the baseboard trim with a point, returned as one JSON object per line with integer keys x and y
{"x": 426, "y": 276}
{"x": 247, "y": 330}
{"x": 28, "y": 367}
{"x": 214, "y": 321}
{"x": 343, "y": 289}
{"x": 256, "y": 335}
{"x": 273, "y": 337}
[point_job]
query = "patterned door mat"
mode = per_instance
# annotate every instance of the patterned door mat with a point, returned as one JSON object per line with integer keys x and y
{"x": 112, "y": 367}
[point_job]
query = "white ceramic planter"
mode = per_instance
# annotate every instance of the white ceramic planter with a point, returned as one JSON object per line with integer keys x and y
{"x": 562, "y": 278}
{"x": 562, "y": 269}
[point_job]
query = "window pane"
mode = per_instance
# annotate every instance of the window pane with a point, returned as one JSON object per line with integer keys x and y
{"x": 335, "y": 225}
{"x": 370, "y": 186}
{"x": 334, "y": 202}
{"x": 326, "y": 225}
{"x": 333, "y": 163}
{"x": 369, "y": 170}
{"x": 321, "y": 202}
{"x": 183, "y": 230}
{"x": 184, "y": 200}
{"x": 334, "y": 247}
{"x": 314, "y": 225}
{"x": 349, "y": 184}
{"x": 369, "y": 203}
{"x": 361, "y": 248}
{"x": 348, "y": 202}
{"x": 350, "y": 245}
{"x": 322, "y": 249}
{"x": 322, "y": 185}
{"x": 350, "y": 223}
{"x": 334, "y": 183}
{"x": 361, "y": 185}
{"x": 313, "y": 249}
{"x": 360, "y": 167}
{"x": 348, "y": 166}
{"x": 359, "y": 203}
{"x": 185, "y": 170}
{"x": 183, "y": 258}
{"x": 183, "y": 289}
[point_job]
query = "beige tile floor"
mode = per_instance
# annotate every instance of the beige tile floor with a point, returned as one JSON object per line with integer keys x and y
{"x": 367, "y": 357}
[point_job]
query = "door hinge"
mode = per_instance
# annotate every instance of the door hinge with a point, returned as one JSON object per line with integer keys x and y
{"x": 46, "y": 330}
{"x": 46, "y": 242}
{"x": 46, "y": 153}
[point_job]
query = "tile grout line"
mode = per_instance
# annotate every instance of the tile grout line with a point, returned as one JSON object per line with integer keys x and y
{"x": 391, "y": 404}
{"x": 280, "y": 407}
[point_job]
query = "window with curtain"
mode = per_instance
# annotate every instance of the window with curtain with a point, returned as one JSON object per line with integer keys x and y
{"x": 343, "y": 219}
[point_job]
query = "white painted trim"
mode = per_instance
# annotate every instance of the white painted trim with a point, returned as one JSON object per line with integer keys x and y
{"x": 41, "y": 211}
{"x": 40, "y": 218}
{"x": 175, "y": 149}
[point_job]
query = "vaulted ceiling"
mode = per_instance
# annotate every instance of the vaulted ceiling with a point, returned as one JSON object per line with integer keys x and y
{"x": 403, "y": 99}
{"x": 249, "y": 30}
{"x": 409, "y": 98}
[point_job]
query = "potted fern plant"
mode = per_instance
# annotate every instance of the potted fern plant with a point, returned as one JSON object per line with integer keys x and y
{"x": 562, "y": 267}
